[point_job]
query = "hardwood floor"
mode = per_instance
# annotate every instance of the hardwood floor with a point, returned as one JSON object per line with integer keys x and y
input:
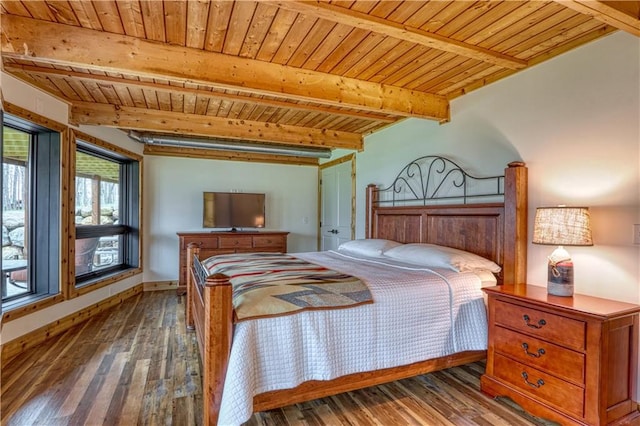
{"x": 136, "y": 364}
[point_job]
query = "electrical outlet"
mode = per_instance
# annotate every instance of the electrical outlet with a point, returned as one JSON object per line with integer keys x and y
{"x": 636, "y": 233}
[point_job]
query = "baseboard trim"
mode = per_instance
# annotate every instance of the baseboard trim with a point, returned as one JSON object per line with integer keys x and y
{"x": 35, "y": 337}
{"x": 160, "y": 285}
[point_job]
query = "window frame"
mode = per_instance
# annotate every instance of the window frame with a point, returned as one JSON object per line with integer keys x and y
{"x": 44, "y": 175}
{"x": 130, "y": 215}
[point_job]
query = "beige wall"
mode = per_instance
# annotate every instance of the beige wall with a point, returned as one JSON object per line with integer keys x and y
{"x": 575, "y": 121}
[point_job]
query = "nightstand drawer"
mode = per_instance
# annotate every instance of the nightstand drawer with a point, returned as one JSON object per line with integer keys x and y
{"x": 555, "y": 328}
{"x": 541, "y": 386}
{"x": 562, "y": 362}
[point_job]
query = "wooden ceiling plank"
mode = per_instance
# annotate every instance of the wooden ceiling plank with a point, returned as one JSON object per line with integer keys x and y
{"x": 87, "y": 15}
{"x": 447, "y": 72}
{"x": 516, "y": 27}
{"x": 212, "y": 154}
{"x": 326, "y": 46}
{"x": 300, "y": 28}
{"x": 357, "y": 55}
{"x": 278, "y": 30}
{"x": 96, "y": 93}
{"x": 258, "y": 30}
{"x": 125, "y": 97}
{"x": 197, "y": 15}
{"x": 475, "y": 17}
{"x": 81, "y": 90}
{"x": 202, "y": 104}
{"x": 560, "y": 38}
{"x": 180, "y": 123}
{"x": 372, "y": 73}
{"x": 109, "y": 16}
{"x": 451, "y": 10}
{"x": 622, "y": 15}
{"x": 354, "y": 38}
{"x": 143, "y": 58}
{"x": 311, "y": 42}
{"x": 164, "y": 101}
{"x": 490, "y": 19}
{"x": 153, "y": 19}
{"x": 15, "y": 8}
{"x": 131, "y": 17}
{"x": 63, "y": 12}
{"x": 175, "y": 18}
{"x": 39, "y": 10}
{"x": 373, "y": 57}
{"x": 537, "y": 33}
{"x": 137, "y": 96}
{"x": 219, "y": 14}
{"x": 371, "y": 23}
{"x": 241, "y": 17}
{"x": 397, "y": 72}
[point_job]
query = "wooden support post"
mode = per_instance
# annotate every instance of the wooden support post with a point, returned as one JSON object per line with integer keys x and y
{"x": 515, "y": 223}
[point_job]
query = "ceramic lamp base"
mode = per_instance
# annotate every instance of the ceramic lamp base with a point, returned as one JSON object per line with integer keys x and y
{"x": 560, "y": 278}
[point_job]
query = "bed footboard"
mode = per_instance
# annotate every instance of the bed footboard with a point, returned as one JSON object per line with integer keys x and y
{"x": 210, "y": 313}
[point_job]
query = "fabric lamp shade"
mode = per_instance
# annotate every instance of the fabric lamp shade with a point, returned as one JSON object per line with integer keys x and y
{"x": 562, "y": 226}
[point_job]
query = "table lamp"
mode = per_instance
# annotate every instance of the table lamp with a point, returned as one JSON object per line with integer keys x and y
{"x": 561, "y": 226}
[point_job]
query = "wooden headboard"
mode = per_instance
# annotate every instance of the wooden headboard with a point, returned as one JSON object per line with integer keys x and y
{"x": 496, "y": 230}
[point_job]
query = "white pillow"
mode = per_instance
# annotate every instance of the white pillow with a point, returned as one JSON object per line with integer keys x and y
{"x": 372, "y": 247}
{"x": 434, "y": 256}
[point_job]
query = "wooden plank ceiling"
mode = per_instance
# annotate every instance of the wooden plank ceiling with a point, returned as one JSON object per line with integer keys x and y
{"x": 294, "y": 73}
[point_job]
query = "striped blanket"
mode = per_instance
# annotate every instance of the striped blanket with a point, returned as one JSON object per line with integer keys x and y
{"x": 275, "y": 284}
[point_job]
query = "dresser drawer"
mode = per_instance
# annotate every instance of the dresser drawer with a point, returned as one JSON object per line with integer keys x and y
{"x": 541, "y": 386}
{"x": 245, "y": 241}
{"x": 562, "y": 362}
{"x": 208, "y": 241}
{"x": 268, "y": 242}
{"x": 554, "y": 328}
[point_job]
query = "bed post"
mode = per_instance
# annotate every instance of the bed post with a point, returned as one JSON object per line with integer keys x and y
{"x": 218, "y": 332}
{"x": 192, "y": 250}
{"x": 516, "y": 211}
{"x": 371, "y": 199}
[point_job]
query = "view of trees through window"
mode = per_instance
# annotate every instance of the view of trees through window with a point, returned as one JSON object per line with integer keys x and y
{"x": 97, "y": 197}
{"x": 15, "y": 196}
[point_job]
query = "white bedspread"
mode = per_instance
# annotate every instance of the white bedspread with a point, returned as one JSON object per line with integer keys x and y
{"x": 417, "y": 314}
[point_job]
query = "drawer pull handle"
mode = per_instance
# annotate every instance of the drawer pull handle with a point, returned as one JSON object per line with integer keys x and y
{"x": 540, "y": 352}
{"x": 536, "y": 385}
{"x": 540, "y": 324}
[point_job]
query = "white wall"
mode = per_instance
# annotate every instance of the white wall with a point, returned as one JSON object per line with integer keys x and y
{"x": 173, "y": 203}
{"x": 575, "y": 121}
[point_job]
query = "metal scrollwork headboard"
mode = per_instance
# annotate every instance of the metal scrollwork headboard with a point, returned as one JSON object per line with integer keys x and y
{"x": 428, "y": 179}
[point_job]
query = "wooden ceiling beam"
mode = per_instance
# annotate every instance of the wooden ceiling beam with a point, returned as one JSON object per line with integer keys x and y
{"x": 207, "y": 126}
{"x": 31, "y": 39}
{"x": 624, "y": 15}
{"x": 357, "y": 19}
{"x": 213, "y": 154}
{"x": 145, "y": 85}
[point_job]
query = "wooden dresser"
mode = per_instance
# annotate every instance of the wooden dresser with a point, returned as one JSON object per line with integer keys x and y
{"x": 212, "y": 243}
{"x": 572, "y": 360}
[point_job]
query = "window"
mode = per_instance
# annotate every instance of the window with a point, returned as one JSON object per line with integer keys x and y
{"x": 30, "y": 211}
{"x": 106, "y": 213}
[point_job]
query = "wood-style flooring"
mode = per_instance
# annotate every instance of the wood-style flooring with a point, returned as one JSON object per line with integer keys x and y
{"x": 137, "y": 364}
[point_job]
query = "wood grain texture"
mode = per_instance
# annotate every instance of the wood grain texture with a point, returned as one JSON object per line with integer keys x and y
{"x": 136, "y": 364}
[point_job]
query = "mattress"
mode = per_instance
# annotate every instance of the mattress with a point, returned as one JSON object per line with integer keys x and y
{"x": 417, "y": 314}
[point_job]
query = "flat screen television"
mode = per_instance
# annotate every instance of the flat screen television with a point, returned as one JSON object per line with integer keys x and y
{"x": 233, "y": 210}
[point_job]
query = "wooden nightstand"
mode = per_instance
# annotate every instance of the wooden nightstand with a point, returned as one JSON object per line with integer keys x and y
{"x": 568, "y": 359}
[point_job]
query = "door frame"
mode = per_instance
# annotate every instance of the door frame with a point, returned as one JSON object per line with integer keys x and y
{"x": 349, "y": 157}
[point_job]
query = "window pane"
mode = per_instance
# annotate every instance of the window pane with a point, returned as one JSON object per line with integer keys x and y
{"x": 97, "y": 203}
{"x": 15, "y": 197}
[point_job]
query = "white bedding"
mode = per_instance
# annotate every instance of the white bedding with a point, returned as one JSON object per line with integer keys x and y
{"x": 417, "y": 314}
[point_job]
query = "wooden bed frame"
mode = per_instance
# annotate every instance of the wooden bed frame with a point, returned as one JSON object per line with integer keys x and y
{"x": 497, "y": 231}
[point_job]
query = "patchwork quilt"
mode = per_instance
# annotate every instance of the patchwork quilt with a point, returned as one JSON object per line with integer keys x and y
{"x": 275, "y": 284}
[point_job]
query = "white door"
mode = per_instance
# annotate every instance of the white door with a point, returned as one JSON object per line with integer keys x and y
{"x": 336, "y": 201}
